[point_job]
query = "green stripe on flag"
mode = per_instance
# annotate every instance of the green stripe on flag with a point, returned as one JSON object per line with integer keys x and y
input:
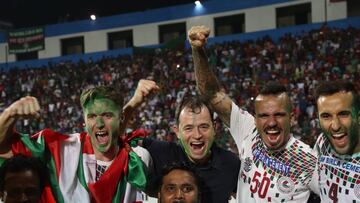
{"x": 2, "y": 161}
{"x": 136, "y": 177}
{"x": 80, "y": 169}
{"x": 120, "y": 191}
{"x": 136, "y": 172}
{"x": 37, "y": 147}
{"x": 54, "y": 183}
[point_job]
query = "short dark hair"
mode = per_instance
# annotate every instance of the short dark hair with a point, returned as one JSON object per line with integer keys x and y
{"x": 327, "y": 88}
{"x": 181, "y": 166}
{"x": 195, "y": 103}
{"x": 106, "y": 92}
{"x": 20, "y": 163}
{"x": 275, "y": 88}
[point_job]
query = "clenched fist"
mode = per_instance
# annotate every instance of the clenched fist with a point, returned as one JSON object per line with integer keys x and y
{"x": 26, "y": 107}
{"x": 143, "y": 90}
{"x": 198, "y": 36}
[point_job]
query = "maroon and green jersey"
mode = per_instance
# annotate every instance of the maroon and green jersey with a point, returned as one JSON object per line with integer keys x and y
{"x": 339, "y": 174}
{"x": 286, "y": 175}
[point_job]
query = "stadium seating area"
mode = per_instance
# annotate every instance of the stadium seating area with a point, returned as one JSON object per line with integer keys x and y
{"x": 300, "y": 62}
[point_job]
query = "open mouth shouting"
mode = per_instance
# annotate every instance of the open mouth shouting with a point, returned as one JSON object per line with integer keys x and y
{"x": 272, "y": 133}
{"x": 197, "y": 147}
{"x": 340, "y": 139}
{"x": 102, "y": 137}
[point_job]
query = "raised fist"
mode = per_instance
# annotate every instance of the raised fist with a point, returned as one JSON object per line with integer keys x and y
{"x": 26, "y": 107}
{"x": 198, "y": 36}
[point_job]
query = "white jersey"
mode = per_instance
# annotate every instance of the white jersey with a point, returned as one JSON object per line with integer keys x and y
{"x": 265, "y": 176}
{"x": 339, "y": 174}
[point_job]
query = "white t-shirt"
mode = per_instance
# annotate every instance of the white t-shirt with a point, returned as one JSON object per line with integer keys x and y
{"x": 265, "y": 176}
{"x": 339, "y": 174}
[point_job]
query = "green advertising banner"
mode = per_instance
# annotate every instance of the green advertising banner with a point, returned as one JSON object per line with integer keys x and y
{"x": 26, "y": 40}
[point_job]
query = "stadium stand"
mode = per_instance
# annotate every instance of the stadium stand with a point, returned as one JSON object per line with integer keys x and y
{"x": 326, "y": 48}
{"x": 298, "y": 61}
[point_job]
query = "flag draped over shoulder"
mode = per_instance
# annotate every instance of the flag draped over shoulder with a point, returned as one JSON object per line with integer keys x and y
{"x": 135, "y": 136}
{"x": 71, "y": 165}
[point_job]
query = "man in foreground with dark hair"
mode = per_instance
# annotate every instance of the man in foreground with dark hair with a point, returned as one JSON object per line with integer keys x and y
{"x": 22, "y": 179}
{"x": 179, "y": 183}
{"x": 275, "y": 167}
{"x": 338, "y": 147}
{"x": 195, "y": 128}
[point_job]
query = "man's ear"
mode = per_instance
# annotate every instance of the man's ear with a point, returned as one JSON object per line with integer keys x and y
{"x": 255, "y": 121}
{"x": 122, "y": 123}
{"x": 159, "y": 197}
{"x": 175, "y": 129}
{"x": 292, "y": 119}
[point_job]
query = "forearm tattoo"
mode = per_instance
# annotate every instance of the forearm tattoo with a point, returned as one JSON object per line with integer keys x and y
{"x": 206, "y": 80}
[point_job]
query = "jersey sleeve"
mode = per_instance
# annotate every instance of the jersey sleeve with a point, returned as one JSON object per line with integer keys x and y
{"x": 242, "y": 124}
{"x": 314, "y": 182}
{"x": 317, "y": 145}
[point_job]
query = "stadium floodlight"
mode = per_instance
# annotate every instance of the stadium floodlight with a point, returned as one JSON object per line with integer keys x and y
{"x": 93, "y": 17}
{"x": 199, "y": 8}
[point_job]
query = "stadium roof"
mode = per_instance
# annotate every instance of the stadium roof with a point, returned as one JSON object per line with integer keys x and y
{"x": 25, "y": 13}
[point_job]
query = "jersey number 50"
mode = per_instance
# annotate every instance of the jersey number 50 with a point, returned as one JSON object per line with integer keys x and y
{"x": 260, "y": 187}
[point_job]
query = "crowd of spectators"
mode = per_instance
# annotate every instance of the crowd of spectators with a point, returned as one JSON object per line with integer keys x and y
{"x": 299, "y": 61}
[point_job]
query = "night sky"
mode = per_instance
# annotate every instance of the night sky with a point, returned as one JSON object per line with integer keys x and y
{"x": 28, "y": 13}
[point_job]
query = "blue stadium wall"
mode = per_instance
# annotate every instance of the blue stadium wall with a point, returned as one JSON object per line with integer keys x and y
{"x": 166, "y": 14}
{"x": 156, "y": 15}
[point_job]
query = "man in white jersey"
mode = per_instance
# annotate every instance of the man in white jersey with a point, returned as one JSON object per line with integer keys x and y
{"x": 275, "y": 167}
{"x": 338, "y": 147}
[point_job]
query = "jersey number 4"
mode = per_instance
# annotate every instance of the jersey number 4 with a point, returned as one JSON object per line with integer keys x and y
{"x": 260, "y": 184}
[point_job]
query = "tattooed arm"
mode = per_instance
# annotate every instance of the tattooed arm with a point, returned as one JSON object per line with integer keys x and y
{"x": 206, "y": 81}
